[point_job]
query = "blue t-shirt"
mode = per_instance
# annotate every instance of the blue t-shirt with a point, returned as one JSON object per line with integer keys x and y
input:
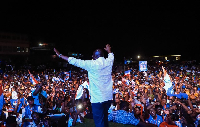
{"x": 2, "y": 102}
{"x": 23, "y": 102}
{"x": 13, "y": 102}
{"x": 28, "y": 112}
{"x": 124, "y": 117}
{"x": 156, "y": 121}
{"x": 36, "y": 98}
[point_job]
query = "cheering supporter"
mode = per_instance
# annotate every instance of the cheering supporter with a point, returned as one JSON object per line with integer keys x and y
{"x": 29, "y": 110}
{"x": 21, "y": 103}
{"x": 122, "y": 115}
{"x": 158, "y": 97}
{"x": 154, "y": 118}
{"x": 36, "y": 120}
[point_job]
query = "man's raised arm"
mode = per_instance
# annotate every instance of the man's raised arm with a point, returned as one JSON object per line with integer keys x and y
{"x": 108, "y": 48}
{"x": 60, "y": 55}
{"x": 84, "y": 64}
{"x": 110, "y": 54}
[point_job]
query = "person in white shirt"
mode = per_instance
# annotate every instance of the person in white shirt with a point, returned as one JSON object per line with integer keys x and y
{"x": 14, "y": 93}
{"x": 100, "y": 82}
{"x": 14, "y": 97}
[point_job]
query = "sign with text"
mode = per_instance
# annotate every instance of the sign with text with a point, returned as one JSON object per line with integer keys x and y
{"x": 142, "y": 66}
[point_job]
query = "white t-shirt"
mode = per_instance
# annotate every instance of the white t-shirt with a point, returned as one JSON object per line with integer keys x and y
{"x": 99, "y": 74}
{"x": 14, "y": 95}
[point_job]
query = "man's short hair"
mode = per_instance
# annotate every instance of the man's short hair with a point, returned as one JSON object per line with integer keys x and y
{"x": 158, "y": 106}
{"x": 124, "y": 105}
{"x": 98, "y": 53}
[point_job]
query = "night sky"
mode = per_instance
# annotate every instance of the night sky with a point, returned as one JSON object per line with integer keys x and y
{"x": 130, "y": 27}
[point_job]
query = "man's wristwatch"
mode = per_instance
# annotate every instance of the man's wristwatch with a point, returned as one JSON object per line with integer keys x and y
{"x": 59, "y": 55}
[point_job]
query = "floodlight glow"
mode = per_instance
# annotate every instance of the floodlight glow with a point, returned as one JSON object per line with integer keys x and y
{"x": 175, "y": 55}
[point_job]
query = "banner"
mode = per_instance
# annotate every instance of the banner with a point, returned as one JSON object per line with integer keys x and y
{"x": 142, "y": 66}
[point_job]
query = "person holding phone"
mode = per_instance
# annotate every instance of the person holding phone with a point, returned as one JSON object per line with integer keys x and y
{"x": 99, "y": 74}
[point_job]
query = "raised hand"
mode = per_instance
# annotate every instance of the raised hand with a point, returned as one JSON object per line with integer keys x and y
{"x": 163, "y": 68}
{"x": 108, "y": 48}
{"x": 56, "y": 51}
{"x": 143, "y": 100}
{"x": 18, "y": 102}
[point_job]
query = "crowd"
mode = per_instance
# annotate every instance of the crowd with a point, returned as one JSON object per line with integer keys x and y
{"x": 49, "y": 97}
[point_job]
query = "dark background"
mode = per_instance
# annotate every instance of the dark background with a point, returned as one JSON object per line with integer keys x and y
{"x": 130, "y": 27}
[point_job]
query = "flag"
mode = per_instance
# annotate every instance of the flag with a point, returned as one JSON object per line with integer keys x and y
{"x": 19, "y": 119}
{"x": 168, "y": 84}
{"x": 38, "y": 78}
{"x": 5, "y": 76}
{"x": 169, "y": 88}
{"x": 55, "y": 79}
{"x": 79, "y": 92}
{"x": 116, "y": 91}
{"x": 67, "y": 75}
{"x": 85, "y": 85}
{"x": 32, "y": 79}
{"x": 125, "y": 81}
{"x": 180, "y": 95}
{"x": 127, "y": 72}
{"x": 61, "y": 80}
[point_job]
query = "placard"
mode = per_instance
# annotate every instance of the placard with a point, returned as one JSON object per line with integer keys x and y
{"x": 142, "y": 66}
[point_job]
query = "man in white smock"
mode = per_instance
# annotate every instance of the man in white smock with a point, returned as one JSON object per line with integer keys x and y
{"x": 100, "y": 82}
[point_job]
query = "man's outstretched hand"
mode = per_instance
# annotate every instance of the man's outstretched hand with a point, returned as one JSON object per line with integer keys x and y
{"x": 56, "y": 51}
{"x": 60, "y": 55}
{"x": 108, "y": 48}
